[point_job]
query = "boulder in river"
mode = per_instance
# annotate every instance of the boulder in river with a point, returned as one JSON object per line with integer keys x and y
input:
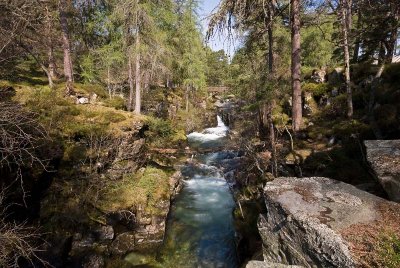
{"x": 320, "y": 222}
{"x": 384, "y": 158}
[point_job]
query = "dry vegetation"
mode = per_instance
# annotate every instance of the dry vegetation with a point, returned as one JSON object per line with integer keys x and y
{"x": 377, "y": 244}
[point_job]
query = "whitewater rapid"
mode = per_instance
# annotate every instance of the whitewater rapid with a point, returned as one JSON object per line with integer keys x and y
{"x": 200, "y": 230}
{"x": 210, "y": 134}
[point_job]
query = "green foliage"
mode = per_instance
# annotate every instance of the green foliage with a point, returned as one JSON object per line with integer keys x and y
{"x": 190, "y": 54}
{"x": 362, "y": 71}
{"x": 389, "y": 250}
{"x": 317, "y": 90}
{"x": 88, "y": 89}
{"x": 344, "y": 129}
{"x": 337, "y": 108}
{"x": 391, "y": 73}
{"x": 115, "y": 102}
{"x": 217, "y": 67}
{"x": 114, "y": 117}
{"x": 188, "y": 121}
{"x": 89, "y": 71}
{"x": 159, "y": 128}
{"x": 317, "y": 46}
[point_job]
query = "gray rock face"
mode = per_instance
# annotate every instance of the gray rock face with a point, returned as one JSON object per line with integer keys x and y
{"x": 261, "y": 264}
{"x": 104, "y": 233}
{"x": 306, "y": 218}
{"x": 384, "y": 158}
{"x": 123, "y": 243}
{"x": 93, "y": 261}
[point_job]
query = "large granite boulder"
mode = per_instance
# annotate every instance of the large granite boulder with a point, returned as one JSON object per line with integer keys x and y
{"x": 384, "y": 158}
{"x": 319, "y": 222}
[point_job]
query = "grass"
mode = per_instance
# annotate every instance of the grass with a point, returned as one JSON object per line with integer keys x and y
{"x": 389, "y": 250}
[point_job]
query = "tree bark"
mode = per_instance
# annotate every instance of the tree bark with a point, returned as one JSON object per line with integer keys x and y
{"x": 187, "y": 98}
{"x": 109, "y": 81}
{"x": 52, "y": 63}
{"x": 68, "y": 69}
{"x": 50, "y": 46}
{"x": 138, "y": 98}
{"x": 270, "y": 30}
{"x": 131, "y": 86}
{"x": 391, "y": 46}
{"x": 358, "y": 41}
{"x": 297, "y": 115}
{"x": 345, "y": 6}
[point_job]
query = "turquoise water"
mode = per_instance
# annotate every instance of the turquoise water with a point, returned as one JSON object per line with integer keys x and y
{"x": 200, "y": 230}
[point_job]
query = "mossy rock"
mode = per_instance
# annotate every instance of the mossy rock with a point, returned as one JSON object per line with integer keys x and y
{"x": 145, "y": 189}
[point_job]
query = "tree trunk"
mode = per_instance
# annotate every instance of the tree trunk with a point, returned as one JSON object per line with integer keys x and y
{"x": 138, "y": 98}
{"x": 50, "y": 54}
{"x": 270, "y": 29}
{"x": 52, "y": 63}
{"x": 187, "y": 98}
{"x": 109, "y": 81}
{"x": 297, "y": 115}
{"x": 131, "y": 86}
{"x": 358, "y": 41}
{"x": 68, "y": 70}
{"x": 270, "y": 50}
{"x": 346, "y": 23}
{"x": 391, "y": 49}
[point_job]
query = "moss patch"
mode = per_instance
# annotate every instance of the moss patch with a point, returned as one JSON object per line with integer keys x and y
{"x": 145, "y": 188}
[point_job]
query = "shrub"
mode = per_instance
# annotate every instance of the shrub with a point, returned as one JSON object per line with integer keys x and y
{"x": 361, "y": 71}
{"x": 386, "y": 115}
{"x": 114, "y": 117}
{"x": 391, "y": 74}
{"x": 159, "y": 127}
{"x": 116, "y": 102}
{"x": 317, "y": 89}
{"x": 345, "y": 129}
{"x": 337, "y": 107}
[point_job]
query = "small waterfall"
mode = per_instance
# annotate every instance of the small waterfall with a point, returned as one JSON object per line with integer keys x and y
{"x": 211, "y": 135}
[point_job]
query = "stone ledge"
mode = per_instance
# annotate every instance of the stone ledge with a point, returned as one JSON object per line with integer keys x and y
{"x": 384, "y": 158}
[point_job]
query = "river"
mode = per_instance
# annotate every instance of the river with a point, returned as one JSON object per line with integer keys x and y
{"x": 200, "y": 229}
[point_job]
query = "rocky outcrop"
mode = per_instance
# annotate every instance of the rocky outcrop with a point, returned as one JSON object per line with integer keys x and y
{"x": 384, "y": 158}
{"x": 321, "y": 222}
{"x": 261, "y": 264}
{"x": 99, "y": 225}
{"x": 150, "y": 228}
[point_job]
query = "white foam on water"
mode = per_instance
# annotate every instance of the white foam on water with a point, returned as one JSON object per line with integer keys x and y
{"x": 210, "y": 134}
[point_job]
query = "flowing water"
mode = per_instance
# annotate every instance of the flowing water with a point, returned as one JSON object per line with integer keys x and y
{"x": 200, "y": 230}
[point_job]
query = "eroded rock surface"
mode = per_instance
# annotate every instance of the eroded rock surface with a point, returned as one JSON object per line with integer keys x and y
{"x": 308, "y": 221}
{"x": 384, "y": 158}
{"x": 261, "y": 264}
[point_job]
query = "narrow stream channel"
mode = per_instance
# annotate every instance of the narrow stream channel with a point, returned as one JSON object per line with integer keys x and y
{"x": 200, "y": 230}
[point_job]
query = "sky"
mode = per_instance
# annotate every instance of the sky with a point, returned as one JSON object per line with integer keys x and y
{"x": 218, "y": 42}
